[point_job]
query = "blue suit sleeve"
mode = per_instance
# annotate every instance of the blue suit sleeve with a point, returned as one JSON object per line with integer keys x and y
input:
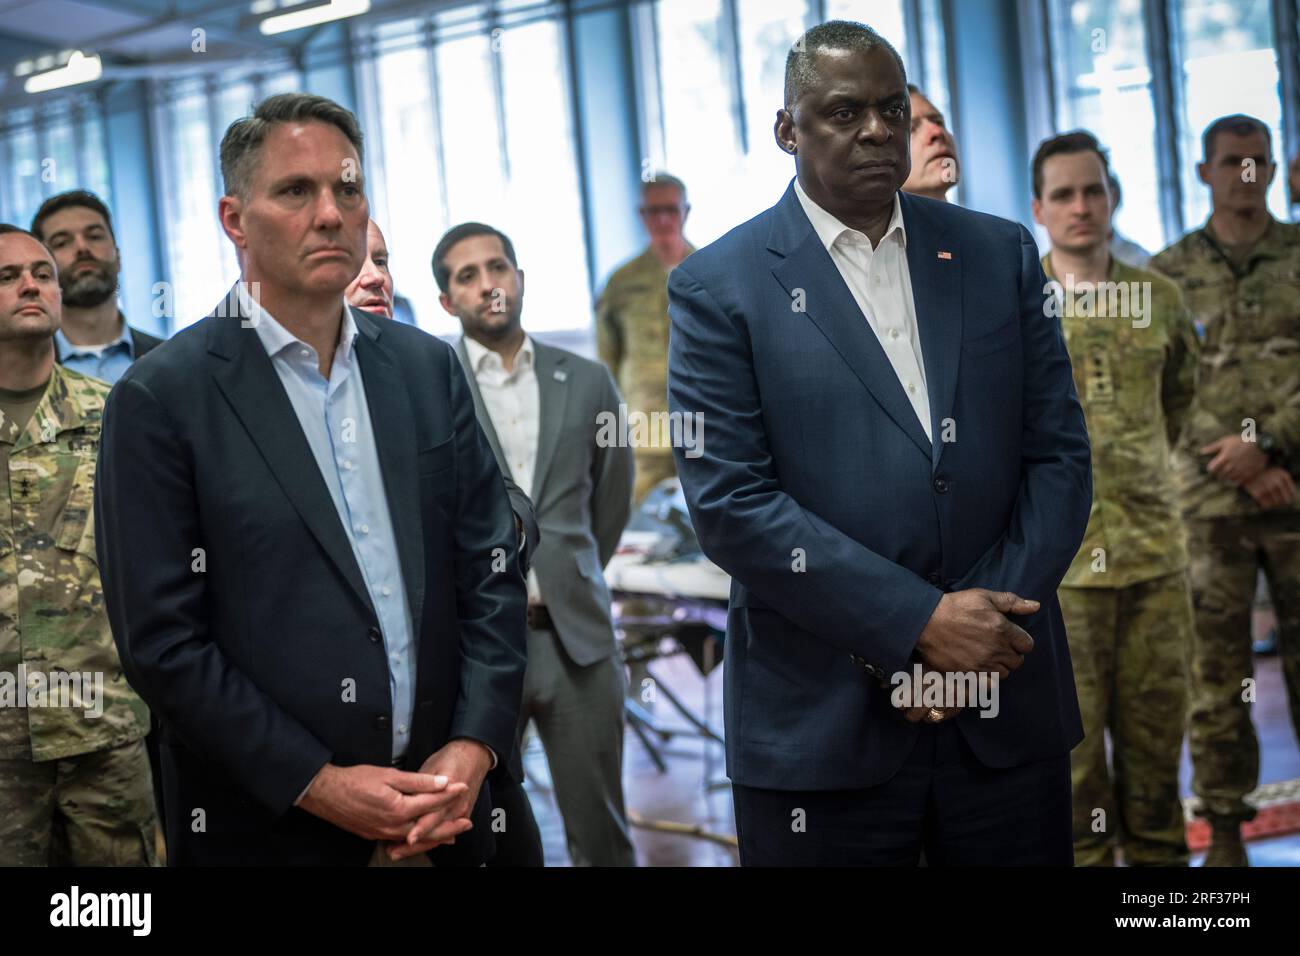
{"x": 1051, "y": 512}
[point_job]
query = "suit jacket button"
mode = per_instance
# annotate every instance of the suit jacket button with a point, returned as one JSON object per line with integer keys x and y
{"x": 382, "y": 723}
{"x": 933, "y": 579}
{"x": 374, "y": 635}
{"x": 941, "y": 485}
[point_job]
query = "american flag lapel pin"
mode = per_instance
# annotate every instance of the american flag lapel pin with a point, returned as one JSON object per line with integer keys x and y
{"x": 945, "y": 254}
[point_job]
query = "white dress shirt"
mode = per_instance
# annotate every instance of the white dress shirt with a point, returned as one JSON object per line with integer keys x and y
{"x": 882, "y": 286}
{"x": 335, "y": 419}
{"x": 514, "y": 405}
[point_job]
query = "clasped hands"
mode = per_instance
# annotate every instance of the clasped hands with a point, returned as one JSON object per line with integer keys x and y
{"x": 411, "y": 812}
{"x": 1243, "y": 464}
{"x": 969, "y": 632}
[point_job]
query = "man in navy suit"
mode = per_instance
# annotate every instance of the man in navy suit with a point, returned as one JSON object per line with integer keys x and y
{"x": 893, "y": 467}
{"x": 308, "y": 552}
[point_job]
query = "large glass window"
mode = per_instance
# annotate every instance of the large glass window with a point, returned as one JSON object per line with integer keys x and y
{"x": 193, "y": 116}
{"x": 473, "y": 123}
{"x": 22, "y": 171}
{"x": 92, "y": 162}
{"x": 1222, "y": 60}
{"x": 198, "y": 264}
{"x": 719, "y": 87}
{"x": 60, "y": 157}
{"x": 471, "y": 136}
{"x": 50, "y": 150}
{"x": 403, "y": 170}
{"x": 543, "y": 204}
{"x": 1103, "y": 85}
{"x": 1228, "y": 65}
{"x": 731, "y": 174}
{"x": 883, "y": 16}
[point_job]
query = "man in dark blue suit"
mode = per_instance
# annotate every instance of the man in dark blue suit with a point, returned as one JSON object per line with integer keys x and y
{"x": 308, "y": 552}
{"x": 893, "y": 465}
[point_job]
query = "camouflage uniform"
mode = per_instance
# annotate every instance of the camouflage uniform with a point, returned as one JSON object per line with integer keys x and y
{"x": 1248, "y": 316}
{"x": 75, "y": 788}
{"x": 1126, "y": 597}
{"x": 632, "y": 339}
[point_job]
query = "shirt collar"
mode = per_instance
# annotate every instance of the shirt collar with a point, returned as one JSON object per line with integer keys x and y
{"x": 66, "y": 348}
{"x": 480, "y": 354}
{"x": 1114, "y": 268}
{"x": 829, "y": 229}
{"x": 276, "y": 338}
{"x": 1270, "y": 245}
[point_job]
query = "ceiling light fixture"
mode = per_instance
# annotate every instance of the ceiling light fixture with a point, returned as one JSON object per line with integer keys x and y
{"x": 309, "y": 15}
{"x": 78, "y": 68}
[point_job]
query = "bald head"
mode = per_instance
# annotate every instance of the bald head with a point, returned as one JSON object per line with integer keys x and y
{"x": 372, "y": 289}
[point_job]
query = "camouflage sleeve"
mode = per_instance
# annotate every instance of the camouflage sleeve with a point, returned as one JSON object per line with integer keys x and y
{"x": 609, "y": 334}
{"x": 1179, "y": 384}
{"x": 1284, "y": 426}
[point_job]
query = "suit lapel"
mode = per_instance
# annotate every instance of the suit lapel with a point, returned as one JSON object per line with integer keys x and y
{"x": 393, "y": 422}
{"x": 808, "y": 268}
{"x": 553, "y": 396}
{"x": 480, "y": 410}
{"x": 936, "y": 293}
{"x": 250, "y": 384}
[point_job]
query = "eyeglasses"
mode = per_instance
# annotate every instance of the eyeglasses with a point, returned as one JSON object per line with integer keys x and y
{"x": 652, "y": 211}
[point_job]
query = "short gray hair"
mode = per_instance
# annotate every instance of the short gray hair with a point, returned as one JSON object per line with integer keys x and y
{"x": 663, "y": 179}
{"x": 1238, "y": 124}
{"x": 800, "y": 62}
{"x": 243, "y": 140}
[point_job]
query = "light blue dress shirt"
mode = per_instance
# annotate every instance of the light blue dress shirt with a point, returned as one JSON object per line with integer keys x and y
{"x": 335, "y": 418}
{"x": 107, "y": 363}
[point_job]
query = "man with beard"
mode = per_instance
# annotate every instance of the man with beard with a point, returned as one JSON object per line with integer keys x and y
{"x": 95, "y": 340}
{"x": 520, "y": 843}
{"x": 542, "y": 410}
{"x": 372, "y": 291}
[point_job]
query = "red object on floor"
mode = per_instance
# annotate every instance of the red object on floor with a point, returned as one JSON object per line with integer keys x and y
{"x": 1272, "y": 821}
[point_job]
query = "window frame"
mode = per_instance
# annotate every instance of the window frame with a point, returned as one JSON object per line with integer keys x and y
{"x": 433, "y": 29}
{"x": 162, "y": 96}
{"x": 76, "y": 111}
{"x": 1167, "y": 92}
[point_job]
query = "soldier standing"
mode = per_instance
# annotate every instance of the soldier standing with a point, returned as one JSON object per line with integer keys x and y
{"x": 74, "y": 774}
{"x": 632, "y": 323}
{"x": 1238, "y": 461}
{"x": 1126, "y": 598}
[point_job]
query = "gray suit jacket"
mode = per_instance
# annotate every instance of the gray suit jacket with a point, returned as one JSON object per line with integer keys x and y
{"x": 582, "y": 494}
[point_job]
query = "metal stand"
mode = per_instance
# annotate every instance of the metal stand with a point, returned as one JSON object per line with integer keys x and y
{"x": 643, "y": 722}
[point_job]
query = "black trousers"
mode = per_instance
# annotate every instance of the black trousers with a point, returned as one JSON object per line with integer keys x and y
{"x": 943, "y": 803}
{"x": 520, "y": 843}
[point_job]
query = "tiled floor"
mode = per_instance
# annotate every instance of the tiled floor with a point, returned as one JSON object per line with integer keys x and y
{"x": 681, "y": 794}
{"x": 1279, "y": 759}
